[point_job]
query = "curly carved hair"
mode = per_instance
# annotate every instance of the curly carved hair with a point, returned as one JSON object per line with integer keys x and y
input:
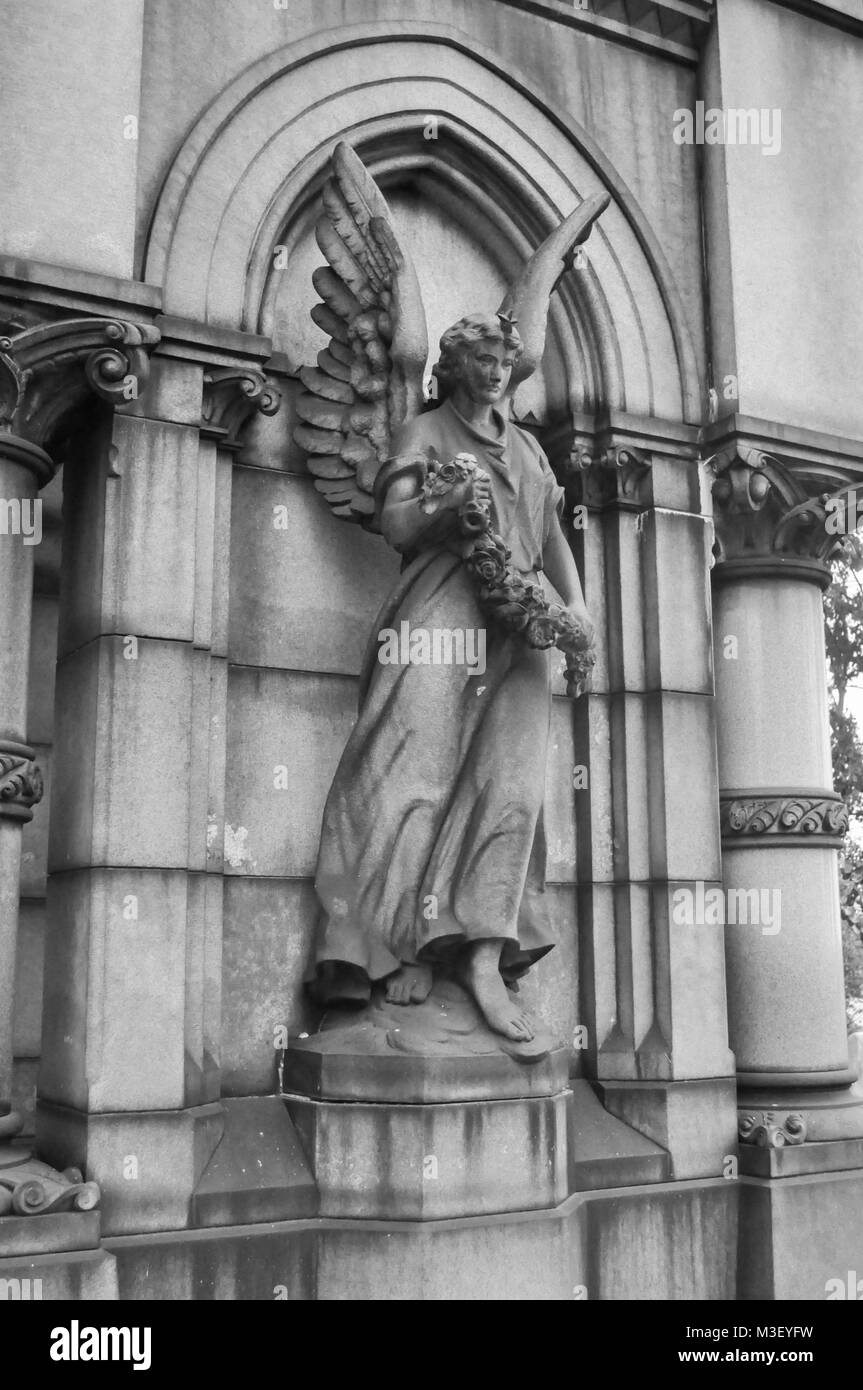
{"x": 462, "y": 337}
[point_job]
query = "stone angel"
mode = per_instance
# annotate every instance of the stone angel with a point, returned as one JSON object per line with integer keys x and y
{"x": 432, "y": 854}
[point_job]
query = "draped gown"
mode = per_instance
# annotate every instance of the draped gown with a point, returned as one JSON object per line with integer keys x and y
{"x": 433, "y": 832}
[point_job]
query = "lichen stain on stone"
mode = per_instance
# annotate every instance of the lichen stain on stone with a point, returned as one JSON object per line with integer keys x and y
{"x": 237, "y": 852}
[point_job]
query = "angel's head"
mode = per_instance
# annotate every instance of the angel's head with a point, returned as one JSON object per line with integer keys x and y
{"x": 477, "y": 354}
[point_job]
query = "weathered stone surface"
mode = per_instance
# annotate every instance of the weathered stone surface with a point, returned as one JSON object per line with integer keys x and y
{"x": 147, "y": 1163}
{"x": 640, "y": 1243}
{"x": 305, "y": 588}
{"x": 289, "y": 729}
{"x": 604, "y": 1152}
{"x": 87, "y": 220}
{"x": 29, "y": 966}
{"x": 59, "y": 1231}
{"x": 653, "y": 1244}
{"x": 43, "y": 659}
{"x": 73, "y": 1275}
{"x": 424, "y": 1162}
{"x": 258, "y": 1171}
{"x": 695, "y": 1122}
{"x": 122, "y": 721}
{"x": 676, "y": 557}
{"x": 683, "y": 811}
{"x": 114, "y": 1033}
{"x": 765, "y": 738}
{"x": 766, "y": 1034}
{"x": 129, "y": 566}
{"x": 797, "y": 1160}
{"x": 262, "y": 978}
{"x": 801, "y": 1237}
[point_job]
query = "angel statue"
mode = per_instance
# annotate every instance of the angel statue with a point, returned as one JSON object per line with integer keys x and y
{"x": 432, "y": 854}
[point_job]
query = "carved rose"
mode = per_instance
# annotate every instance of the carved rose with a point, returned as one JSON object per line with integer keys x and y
{"x": 489, "y": 561}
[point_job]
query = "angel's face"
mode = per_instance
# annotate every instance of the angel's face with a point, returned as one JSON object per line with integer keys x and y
{"x": 487, "y": 370}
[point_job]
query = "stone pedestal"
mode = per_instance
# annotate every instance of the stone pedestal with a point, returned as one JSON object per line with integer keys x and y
{"x": 421, "y": 1112}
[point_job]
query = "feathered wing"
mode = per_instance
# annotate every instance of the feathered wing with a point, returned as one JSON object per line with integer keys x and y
{"x": 527, "y": 299}
{"x": 369, "y": 378}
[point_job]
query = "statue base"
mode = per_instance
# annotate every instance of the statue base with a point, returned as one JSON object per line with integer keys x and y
{"x": 445, "y": 1118}
{"x": 437, "y": 1051}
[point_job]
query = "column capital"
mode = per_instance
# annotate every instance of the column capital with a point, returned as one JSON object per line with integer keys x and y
{"x": 620, "y": 462}
{"x": 232, "y": 395}
{"x": 780, "y": 511}
{"x": 46, "y": 370}
{"x": 610, "y": 474}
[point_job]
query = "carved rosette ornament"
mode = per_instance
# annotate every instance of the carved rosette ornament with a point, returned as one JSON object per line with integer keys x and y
{"x": 799, "y": 818}
{"x": 45, "y": 371}
{"x": 232, "y": 395}
{"x": 769, "y": 1129}
{"x": 776, "y": 516}
{"x": 21, "y": 784}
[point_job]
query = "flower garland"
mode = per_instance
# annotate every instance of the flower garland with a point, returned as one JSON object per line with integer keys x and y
{"x": 520, "y": 607}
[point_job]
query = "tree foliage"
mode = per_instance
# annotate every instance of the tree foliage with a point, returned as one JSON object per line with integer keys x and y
{"x": 843, "y": 614}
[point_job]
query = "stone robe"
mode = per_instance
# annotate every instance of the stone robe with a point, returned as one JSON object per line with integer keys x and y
{"x": 433, "y": 829}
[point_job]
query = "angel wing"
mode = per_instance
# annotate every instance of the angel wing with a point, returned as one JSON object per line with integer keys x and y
{"x": 369, "y": 378}
{"x": 526, "y": 302}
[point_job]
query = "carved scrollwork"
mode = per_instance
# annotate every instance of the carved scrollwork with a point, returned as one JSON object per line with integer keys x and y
{"x": 21, "y": 785}
{"x": 46, "y": 370}
{"x": 32, "y": 1188}
{"x": 29, "y": 1187}
{"x": 768, "y": 1129}
{"x": 231, "y": 397}
{"x": 800, "y": 816}
{"x": 614, "y": 473}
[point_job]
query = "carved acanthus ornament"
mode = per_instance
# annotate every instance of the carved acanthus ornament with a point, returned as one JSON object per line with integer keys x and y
{"x": 817, "y": 818}
{"x": 46, "y": 370}
{"x": 773, "y": 516}
{"x": 232, "y": 395}
{"x": 20, "y": 781}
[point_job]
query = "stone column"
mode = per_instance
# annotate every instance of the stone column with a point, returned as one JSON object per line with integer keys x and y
{"x": 653, "y": 988}
{"x": 45, "y": 373}
{"x": 130, "y": 1080}
{"x": 782, "y": 823}
{"x": 24, "y": 467}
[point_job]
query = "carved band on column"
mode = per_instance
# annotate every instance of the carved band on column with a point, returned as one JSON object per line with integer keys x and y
{"x": 783, "y": 817}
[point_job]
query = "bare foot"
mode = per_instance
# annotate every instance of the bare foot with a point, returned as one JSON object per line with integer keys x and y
{"x": 481, "y": 975}
{"x": 410, "y": 984}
